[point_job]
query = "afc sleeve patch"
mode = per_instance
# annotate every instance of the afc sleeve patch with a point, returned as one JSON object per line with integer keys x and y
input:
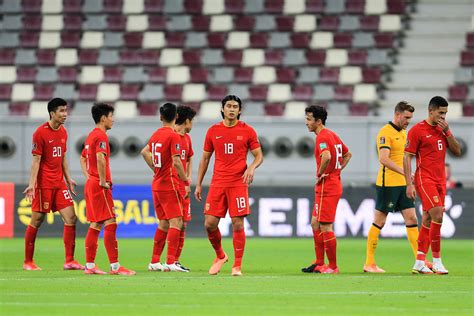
{"x": 323, "y": 146}
{"x": 177, "y": 147}
{"x": 103, "y": 145}
{"x": 34, "y": 146}
{"x": 382, "y": 140}
{"x": 407, "y": 144}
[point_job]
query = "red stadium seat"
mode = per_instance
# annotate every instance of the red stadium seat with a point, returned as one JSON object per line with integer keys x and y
{"x": 216, "y": 40}
{"x": 232, "y": 57}
{"x": 259, "y": 40}
{"x": 194, "y": 105}
{"x": 470, "y": 40}
{"x": 234, "y": 6}
{"x": 18, "y": 108}
{"x": 26, "y": 74}
{"x": 70, "y": 39}
{"x": 5, "y": 92}
{"x": 329, "y": 75}
{"x": 316, "y": 57}
{"x": 396, "y": 6}
{"x": 175, "y": 39}
{"x": 72, "y": 22}
{"x": 244, "y": 23}
{"x": 315, "y": 6}
{"x": 468, "y": 110}
{"x": 7, "y": 56}
{"x": 243, "y": 75}
{"x": 357, "y": 57}
{"x": 193, "y": 6}
{"x": 258, "y": 93}
{"x": 302, "y": 93}
{"x": 467, "y": 58}
{"x": 113, "y": 74}
{"x": 156, "y": 22}
{"x": 355, "y": 6}
{"x": 458, "y": 93}
{"x": 29, "y": 39}
{"x": 67, "y": 74}
{"x": 88, "y": 56}
{"x": 274, "y": 109}
{"x": 274, "y": 6}
{"x": 129, "y": 91}
{"x": 384, "y": 40}
{"x": 88, "y": 92}
{"x": 343, "y": 40}
{"x": 369, "y": 22}
{"x": 129, "y": 57}
{"x": 44, "y": 92}
{"x": 274, "y": 57}
{"x": 200, "y": 23}
{"x": 112, "y": 6}
{"x": 31, "y": 6}
{"x": 199, "y": 75}
{"x": 192, "y": 57}
{"x": 149, "y": 57}
{"x": 173, "y": 92}
{"x": 46, "y": 56}
{"x": 371, "y": 75}
{"x": 32, "y": 22}
{"x": 72, "y": 6}
{"x": 300, "y": 40}
{"x": 343, "y": 93}
{"x": 285, "y": 23}
{"x": 157, "y": 74}
{"x": 215, "y": 92}
{"x": 133, "y": 39}
{"x": 154, "y": 6}
{"x": 116, "y": 22}
{"x": 285, "y": 75}
{"x": 148, "y": 109}
{"x": 359, "y": 109}
{"x": 328, "y": 23}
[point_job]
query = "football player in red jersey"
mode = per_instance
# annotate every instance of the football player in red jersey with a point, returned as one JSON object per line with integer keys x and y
{"x": 47, "y": 189}
{"x": 95, "y": 164}
{"x": 332, "y": 156}
{"x": 428, "y": 141}
{"x": 163, "y": 155}
{"x": 231, "y": 140}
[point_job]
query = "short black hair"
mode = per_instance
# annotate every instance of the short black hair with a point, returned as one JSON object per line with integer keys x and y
{"x": 54, "y": 104}
{"x": 184, "y": 113}
{"x": 168, "y": 112}
{"x": 101, "y": 109}
{"x": 403, "y": 106}
{"x": 437, "y": 102}
{"x": 231, "y": 97}
{"x": 318, "y": 112}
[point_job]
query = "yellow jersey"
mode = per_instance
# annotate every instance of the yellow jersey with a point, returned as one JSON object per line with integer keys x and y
{"x": 394, "y": 138}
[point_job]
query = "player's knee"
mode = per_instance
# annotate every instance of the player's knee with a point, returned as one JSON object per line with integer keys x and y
{"x": 71, "y": 220}
{"x": 210, "y": 226}
{"x": 412, "y": 220}
{"x": 379, "y": 223}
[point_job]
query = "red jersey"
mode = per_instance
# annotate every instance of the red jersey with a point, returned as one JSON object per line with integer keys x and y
{"x": 50, "y": 144}
{"x": 327, "y": 140}
{"x": 231, "y": 145}
{"x": 97, "y": 142}
{"x": 186, "y": 152}
{"x": 428, "y": 143}
{"x": 164, "y": 144}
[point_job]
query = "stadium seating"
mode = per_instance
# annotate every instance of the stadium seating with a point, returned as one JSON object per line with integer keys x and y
{"x": 269, "y": 53}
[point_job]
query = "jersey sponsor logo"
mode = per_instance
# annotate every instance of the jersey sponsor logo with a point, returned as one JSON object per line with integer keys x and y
{"x": 63, "y": 140}
{"x": 102, "y": 145}
{"x": 428, "y": 136}
{"x": 323, "y": 146}
{"x": 50, "y": 141}
{"x": 217, "y": 137}
{"x": 382, "y": 140}
{"x": 241, "y": 210}
{"x": 240, "y": 137}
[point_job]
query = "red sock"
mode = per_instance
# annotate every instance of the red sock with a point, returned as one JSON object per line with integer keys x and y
{"x": 159, "y": 244}
{"x": 423, "y": 243}
{"x": 215, "y": 238}
{"x": 91, "y": 244}
{"x": 69, "y": 236}
{"x": 330, "y": 245}
{"x": 239, "y": 246}
{"x": 173, "y": 243}
{"x": 318, "y": 246}
{"x": 435, "y": 238}
{"x": 110, "y": 242}
{"x": 181, "y": 244}
{"x": 30, "y": 237}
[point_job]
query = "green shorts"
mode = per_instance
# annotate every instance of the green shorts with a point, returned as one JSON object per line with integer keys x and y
{"x": 392, "y": 199}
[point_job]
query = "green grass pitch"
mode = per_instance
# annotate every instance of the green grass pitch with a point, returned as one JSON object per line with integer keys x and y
{"x": 272, "y": 283}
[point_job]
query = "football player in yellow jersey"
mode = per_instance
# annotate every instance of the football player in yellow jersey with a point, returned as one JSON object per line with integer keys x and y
{"x": 391, "y": 184}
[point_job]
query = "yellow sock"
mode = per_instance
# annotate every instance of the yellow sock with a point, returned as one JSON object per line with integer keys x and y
{"x": 412, "y": 236}
{"x": 372, "y": 241}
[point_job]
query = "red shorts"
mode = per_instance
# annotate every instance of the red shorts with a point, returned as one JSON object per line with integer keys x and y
{"x": 431, "y": 195}
{"x": 47, "y": 200}
{"x": 99, "y": 202}
{"x": 325, "y": 208}
{"x": 234, "y": 199}
{"x": 168, "y": 204}
{"x": 186, "y": 207}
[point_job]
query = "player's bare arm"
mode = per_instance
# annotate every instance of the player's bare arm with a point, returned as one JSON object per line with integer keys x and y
{"x": 189, "y": 172}
{"x": 30, "y": 190}
{"x": 384, "y": 158}
{"x": 325, "y": 159}
{"x": 101, "y": 165}
{"x": 203, "y": 165}
{"x": 83, "y": 161}
{"x": 453, "y": 144}
{"x": 257, "y": 161}
{"x": 146, "y": 154}
{"x": 179, "y": 167}
{"x": 411, "y": 193}
{"x": 345, "y": 159}
{"x": 67, "y": 175}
